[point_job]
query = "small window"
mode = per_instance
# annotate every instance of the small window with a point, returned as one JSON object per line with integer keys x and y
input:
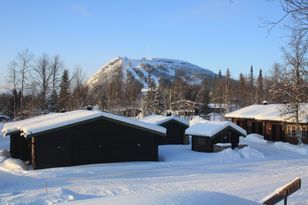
{"x": 289, "y": 131}
{"x": 293, "y": 131}
{"x": 225, "y": 137}
{"x": 304, "y": 132}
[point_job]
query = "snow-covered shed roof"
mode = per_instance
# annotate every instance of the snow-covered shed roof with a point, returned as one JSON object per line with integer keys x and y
{"x": 211, "y": 128}
{"x": 4, "y": 117}
{"x": 270, "y": 112}
{"x": 159, "y": 120}
{"x": 56, "y": 120}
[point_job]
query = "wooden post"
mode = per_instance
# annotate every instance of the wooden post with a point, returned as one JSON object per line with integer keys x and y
{"x": 286, "y": 198}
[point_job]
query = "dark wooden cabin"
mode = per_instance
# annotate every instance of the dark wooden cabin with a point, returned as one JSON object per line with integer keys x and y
{"x": 206, "y": 135}
{"x": 175, "y": 128}
{"x": 268, "y": 120}
{"x": 93, "y": 138}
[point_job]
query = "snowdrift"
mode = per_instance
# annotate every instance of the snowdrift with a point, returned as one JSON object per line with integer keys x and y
{"x": 174, "y": 198}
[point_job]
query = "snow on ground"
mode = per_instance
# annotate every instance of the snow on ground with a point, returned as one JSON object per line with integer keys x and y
{"x": 181, "y": 176}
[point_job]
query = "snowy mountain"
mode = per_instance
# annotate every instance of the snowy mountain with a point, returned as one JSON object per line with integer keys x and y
{"x": 157, "y": 67}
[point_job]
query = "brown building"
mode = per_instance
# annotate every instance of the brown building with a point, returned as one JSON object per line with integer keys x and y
{"x": 268, "y": 120}
{"x": 82, "y": 137}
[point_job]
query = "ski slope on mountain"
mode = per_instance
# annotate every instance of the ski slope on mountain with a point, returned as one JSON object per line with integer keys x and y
{"x": 140, "y": 69}
{"x": 182, "y": 176}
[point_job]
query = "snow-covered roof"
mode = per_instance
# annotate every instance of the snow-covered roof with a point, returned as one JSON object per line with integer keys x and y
{"x": 4, "y": 116}
{"x": 210, "y": 128}
{"x": 159, "y": 119}
{"x": 271, "y": 112}
{"x": 197, "y": 119}
{"x": 55, "y": 120}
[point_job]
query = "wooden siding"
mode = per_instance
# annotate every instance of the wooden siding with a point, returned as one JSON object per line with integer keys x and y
{"x": 175, "y": 133}
{"x": 97, "y": 141}
{"x": 271, "y": 130}
{"x": 20, "y": 147}
{"x": 201, "y": 144}
{"x": 205, "y": 144}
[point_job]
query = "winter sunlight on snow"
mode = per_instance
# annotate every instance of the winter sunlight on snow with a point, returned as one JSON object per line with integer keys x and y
{"x": 182, "y": 176}
{"x": 196, "y": 102}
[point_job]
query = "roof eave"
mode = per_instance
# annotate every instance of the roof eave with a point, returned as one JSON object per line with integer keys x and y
{"x": 93, "y": 119}
{"x": 173, "y": 120}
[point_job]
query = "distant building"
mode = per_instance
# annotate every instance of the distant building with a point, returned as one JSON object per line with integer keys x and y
{"x": 210, "y": 136}
{"x": 186, "y": 108}
{"x": 4, "y": 118}
{"x": 175, "y": 126}
{"x": 82, "y": 137}
{"x": 268, "y": 120}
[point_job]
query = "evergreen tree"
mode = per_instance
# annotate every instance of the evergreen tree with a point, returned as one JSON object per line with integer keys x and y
{"x": 203, "y": 97}
{"x": 148, "y": 103}
{"x": 260, "y": 90}
{"x": 64, "y": 90}
{"x": 54, "y": 104}
{"x": 219, "y": 75}
{"x": 218, "y": 90}
{"x": 132, "y": 91}
{"x": 164, "y": 88}
{"x": 159, "y": 106}
{"x": 242, "y": 92}
{"x": 251, "y": 77}
{"x": 251, "y": 87}
{"x": 103, "y": 101}
{"x": 227, "y": 90}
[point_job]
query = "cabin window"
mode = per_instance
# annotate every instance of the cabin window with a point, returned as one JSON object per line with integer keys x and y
{"x": 289, "y": 131}
{"x": 304, "y": 132}
{"x": 293, "y": 131}
{"x": 202, "y": 141}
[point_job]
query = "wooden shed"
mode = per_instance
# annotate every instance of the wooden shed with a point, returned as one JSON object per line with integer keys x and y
{"x": 82, "y": 137}
{"x": 206, "y": 135}
{"x": 268, "y": 120}
{"x": 175, "y": 126}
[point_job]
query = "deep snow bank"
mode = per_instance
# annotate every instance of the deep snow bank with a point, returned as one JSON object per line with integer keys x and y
{"x": 283, "y": 146}
{"x": 184, "y": 154}
{"x": 174, "y": 198}
{"x": 299, "y": 149}
{"x": 255, "y": 138}
{"x": 13, "y": 165}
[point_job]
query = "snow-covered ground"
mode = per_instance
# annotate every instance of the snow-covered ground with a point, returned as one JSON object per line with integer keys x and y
{"x": 240, "y": 177}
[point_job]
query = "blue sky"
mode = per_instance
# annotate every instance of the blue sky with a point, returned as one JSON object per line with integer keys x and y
{"x": 210, "y": 33}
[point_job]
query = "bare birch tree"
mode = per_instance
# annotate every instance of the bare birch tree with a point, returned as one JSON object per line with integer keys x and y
{"x": 56, "y": 67}
{"x": 79, "y": 91}
{"x": 13, "y": 81}
{"x": 24, "y": 60}
{"x": 42, "y": 71}
{"x": 295, "y": 15}
{"x": 292, "y": 86}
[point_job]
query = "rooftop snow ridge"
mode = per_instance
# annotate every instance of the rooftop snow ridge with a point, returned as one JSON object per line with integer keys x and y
{"x": 56, "y": 120}
{"x": 273, "y": 112}
{"x": 160, "y": 119}
{"x": 210, "y": 128}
